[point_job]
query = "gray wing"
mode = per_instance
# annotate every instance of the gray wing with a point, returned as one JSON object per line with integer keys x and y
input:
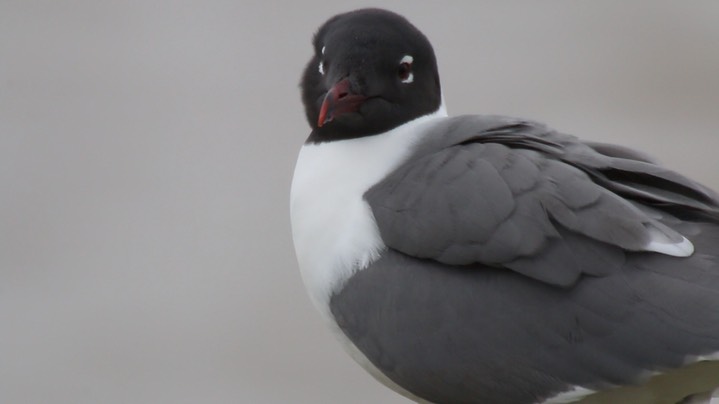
{"x": 517, "y": 195}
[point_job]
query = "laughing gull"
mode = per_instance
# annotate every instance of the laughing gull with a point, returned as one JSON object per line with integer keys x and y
{"x": 490, "y": 259}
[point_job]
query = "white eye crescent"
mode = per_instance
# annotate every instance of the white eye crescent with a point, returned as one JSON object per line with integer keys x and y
{"x": 405, "y": 69}
{"x": 321, "y": 67}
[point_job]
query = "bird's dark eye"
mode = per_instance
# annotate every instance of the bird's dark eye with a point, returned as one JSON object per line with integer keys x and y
{"x": 404, "y": 72}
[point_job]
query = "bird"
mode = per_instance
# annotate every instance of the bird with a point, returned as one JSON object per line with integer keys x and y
{"x": 493, "y": 259}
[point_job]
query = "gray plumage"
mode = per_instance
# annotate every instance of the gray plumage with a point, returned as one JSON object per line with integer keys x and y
{"x": 453, "y": 311}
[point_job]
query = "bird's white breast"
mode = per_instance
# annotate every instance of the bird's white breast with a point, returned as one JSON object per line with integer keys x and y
{"x": 334, "y": 231}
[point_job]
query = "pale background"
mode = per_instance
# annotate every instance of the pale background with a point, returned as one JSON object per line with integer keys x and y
{"x": 146, "y": 152}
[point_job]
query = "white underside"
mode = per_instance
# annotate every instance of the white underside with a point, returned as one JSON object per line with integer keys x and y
{"x": 333, "y": 228}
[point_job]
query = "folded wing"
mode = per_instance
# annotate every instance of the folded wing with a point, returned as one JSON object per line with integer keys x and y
{"x": 517, "y": 195}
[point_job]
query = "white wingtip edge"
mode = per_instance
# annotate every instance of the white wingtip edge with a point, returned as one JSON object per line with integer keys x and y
{"x": 683, "y": 248}
{"x": 576, "y": 393}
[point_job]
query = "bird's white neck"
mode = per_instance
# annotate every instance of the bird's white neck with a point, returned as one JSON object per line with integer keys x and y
{"x": 334, "y": 231}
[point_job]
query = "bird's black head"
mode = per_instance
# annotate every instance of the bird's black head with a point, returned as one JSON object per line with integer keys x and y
{"x": 371, "y": 71}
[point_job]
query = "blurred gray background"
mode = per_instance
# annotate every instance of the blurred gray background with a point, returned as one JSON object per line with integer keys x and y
{"x": 146, "y": 153}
